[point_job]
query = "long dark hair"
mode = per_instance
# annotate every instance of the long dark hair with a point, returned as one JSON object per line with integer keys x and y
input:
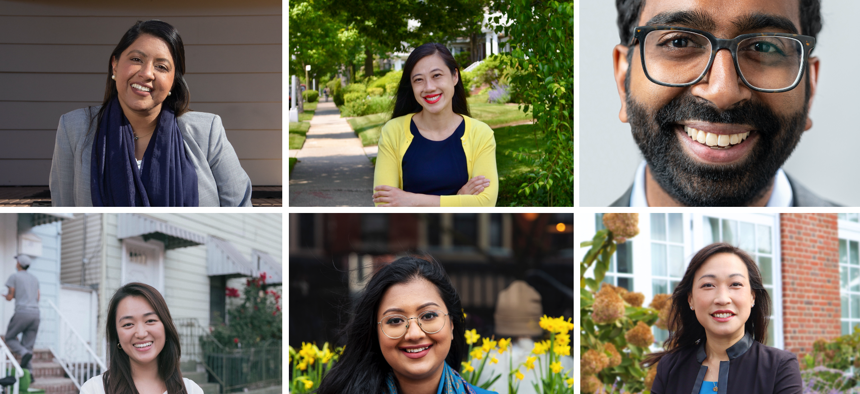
{"x": 117, "y": 379}
{"x": 180, "y": 95}
{"x": 362, "y": 367}
{"x": 405, "y": 102}
{"x": 684, "y": 328}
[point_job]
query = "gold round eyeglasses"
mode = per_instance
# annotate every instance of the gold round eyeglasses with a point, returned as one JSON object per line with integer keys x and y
{"x": 395, "y": 326}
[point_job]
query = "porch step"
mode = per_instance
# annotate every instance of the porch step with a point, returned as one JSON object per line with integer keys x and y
{"x": 55, "y": 385}
{"x": 44, "y": 369}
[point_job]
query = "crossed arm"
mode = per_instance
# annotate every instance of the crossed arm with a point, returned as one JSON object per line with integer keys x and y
{"x": 481, "y": 190}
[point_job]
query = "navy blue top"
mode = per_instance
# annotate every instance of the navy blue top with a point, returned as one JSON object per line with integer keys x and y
{"x": 435, "y": 167}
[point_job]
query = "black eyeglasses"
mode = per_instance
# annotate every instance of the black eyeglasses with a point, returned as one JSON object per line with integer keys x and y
{"x": 680, "y": 56}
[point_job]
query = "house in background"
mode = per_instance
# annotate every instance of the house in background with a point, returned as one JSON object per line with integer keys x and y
{"x": 81, "y": 260}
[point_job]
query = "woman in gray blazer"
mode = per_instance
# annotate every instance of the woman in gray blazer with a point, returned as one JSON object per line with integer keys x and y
{"x": 142, "y": 146}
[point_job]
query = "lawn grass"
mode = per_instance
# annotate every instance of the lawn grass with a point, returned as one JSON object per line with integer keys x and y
{"x": 369, "y": 127}
{"x": 511, "y": 139}
{"x": 298, "y": 131}
{"x": 311, "y": 107}
{"x": 293, "y": 161}
{"x": 498, "y": 114}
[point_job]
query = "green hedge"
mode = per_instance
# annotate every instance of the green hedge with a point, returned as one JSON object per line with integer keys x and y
{"x": 355, "y": 88}
{"x": 336, "y": 91}
{"x": 391, "y": 88}
{"x": 350, "y": 97}
{"x": 375, "y": 92}
{"x": 373, "y": 105}
{"x": 311, "y": 96}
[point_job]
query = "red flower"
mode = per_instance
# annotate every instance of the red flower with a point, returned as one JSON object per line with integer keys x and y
{"x": 263, "y": 276}
{"x": 274, "y": 313}
{"x": 235, "y": 340}
{"x": 231, "y": 292}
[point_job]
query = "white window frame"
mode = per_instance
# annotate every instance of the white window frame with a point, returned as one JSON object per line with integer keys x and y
{"x": 158, "y": 251}
{"x": 849, "y": 231}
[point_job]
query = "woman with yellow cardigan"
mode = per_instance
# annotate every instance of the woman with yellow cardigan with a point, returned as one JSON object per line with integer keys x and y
{"x": 431, "y": 153}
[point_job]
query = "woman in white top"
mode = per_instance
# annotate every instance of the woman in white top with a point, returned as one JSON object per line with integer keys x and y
{"x": 143, "y": 345}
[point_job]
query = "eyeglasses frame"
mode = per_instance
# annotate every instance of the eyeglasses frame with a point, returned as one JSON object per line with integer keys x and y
{"x": 640, "y": 32}
{"x": 379, "y": 323}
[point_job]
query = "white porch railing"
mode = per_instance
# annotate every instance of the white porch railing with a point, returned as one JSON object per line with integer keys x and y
{"x": 72, "y": 352}
{"x": 7, "y": 363}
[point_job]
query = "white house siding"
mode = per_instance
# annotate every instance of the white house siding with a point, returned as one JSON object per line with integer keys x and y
{"x": 71, "y": 271}
{"x": 186, "y": 284}
{"x": 46, "y": 269}
{"x": 54, "y": 58}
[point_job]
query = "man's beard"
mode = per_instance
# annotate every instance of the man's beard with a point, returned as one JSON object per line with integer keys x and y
{"x": 692, "y": 183}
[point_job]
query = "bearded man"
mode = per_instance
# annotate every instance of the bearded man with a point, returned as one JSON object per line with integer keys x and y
{"x": 717, "y": 94}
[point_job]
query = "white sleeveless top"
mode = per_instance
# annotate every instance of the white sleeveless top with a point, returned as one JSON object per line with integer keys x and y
{"x": 96, "y": 386}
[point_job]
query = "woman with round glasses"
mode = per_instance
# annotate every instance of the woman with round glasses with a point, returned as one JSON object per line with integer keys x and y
{"x": 405, "y": 335}
{"x": 718, "y": 330}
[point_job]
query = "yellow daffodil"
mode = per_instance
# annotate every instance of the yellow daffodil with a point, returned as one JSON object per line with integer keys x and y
{"x": 562, "y": 339}
{"x": 561, "y": 350}
{"x": 547, "y": 323}
{"x": 556, "y": 367}
{"x": 307, "y": 350}
{"x": 569, "y": 382}
{"x": 327, "y": 355}
{"x": 467, "y": 367}
{"x": 478, "y": 354}
{"x": 308, "y": 384}
{"x": 541, "y": 347}
{"x": 303, "y": 365}
{"x": 472, "y": 336}
{"x": 488, "y": 345}
{"x": 494, "y": 360}
{"x": 530, "y": 362}
{"x": 503, "y": 344}
{"x": 520, "y": 375}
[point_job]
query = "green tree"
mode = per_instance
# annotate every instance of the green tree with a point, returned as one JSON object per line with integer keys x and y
{"x": 383, "y": 25}
{"x": 541, "y": 38}
{"x": 317, "y": 39}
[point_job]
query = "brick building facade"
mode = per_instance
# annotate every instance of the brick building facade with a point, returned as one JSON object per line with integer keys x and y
{"x": 810, "y": 278}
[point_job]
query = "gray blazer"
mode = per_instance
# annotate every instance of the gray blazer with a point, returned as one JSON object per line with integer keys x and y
{"x": 221, "y": 181}
{"x": 802, "y": 197}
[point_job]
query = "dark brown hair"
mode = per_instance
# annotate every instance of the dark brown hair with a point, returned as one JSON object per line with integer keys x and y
{"x": 117, "y": 379}
{"x": 180, "y": 96}
{"x": 685, "y": 331}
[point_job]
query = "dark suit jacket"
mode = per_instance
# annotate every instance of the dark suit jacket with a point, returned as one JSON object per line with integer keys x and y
{"x": 752, "y": 368}
{"x": 803, "y": 197}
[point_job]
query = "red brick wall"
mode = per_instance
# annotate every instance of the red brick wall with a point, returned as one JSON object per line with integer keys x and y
{"x": 810, "y": 279}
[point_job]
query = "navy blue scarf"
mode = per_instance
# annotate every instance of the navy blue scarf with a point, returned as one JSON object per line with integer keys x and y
{"x": 168, "y": 178}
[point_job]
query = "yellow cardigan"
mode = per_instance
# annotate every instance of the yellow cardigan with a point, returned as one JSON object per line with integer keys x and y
{"x": 478, "y": 143}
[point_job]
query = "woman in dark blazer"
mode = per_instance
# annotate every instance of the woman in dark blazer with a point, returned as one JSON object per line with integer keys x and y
{"x": 717, "y": 331}
{"x": 143, "y": 146}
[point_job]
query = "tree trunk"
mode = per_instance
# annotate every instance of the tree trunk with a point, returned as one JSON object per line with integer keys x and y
{"x": 368, "y": 62}
{"x": 473, "y": 47}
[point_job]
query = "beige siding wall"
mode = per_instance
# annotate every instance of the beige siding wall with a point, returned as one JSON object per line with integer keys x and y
{"x": 54, "y": 58}
{"x": 73, "y": 249}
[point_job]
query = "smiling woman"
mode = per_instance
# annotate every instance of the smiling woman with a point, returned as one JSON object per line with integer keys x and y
{"x": 718, "y": 328}
{"x": 143, "y": 345}
{"x": 406, "y": 335}
{"x": 143, "y": 146}
{"x": 431, "y": 153}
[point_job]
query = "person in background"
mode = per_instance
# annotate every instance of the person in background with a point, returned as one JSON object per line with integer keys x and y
{"x": 24, "y": 288}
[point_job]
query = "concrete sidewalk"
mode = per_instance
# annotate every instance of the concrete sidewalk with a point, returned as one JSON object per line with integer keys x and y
{"x": 332, "y": 169}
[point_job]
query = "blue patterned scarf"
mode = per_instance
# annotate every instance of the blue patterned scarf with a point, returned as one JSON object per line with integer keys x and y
{"x": 452, "y": 382}
{"x": 168, "y": 177}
